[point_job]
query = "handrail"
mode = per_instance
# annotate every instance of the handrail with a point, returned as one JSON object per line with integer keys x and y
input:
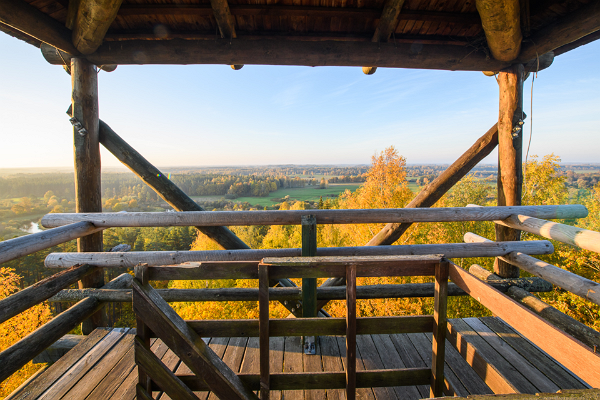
{"x": 18, "y": 302}
{"x": 293, "y": 217}
{"x": 156, "y": 258}
{"x": 23, "y": 351}
{"x": 28, "y": 244}
{"x": 567, "y": 280}
{"x": 583, "y": 238}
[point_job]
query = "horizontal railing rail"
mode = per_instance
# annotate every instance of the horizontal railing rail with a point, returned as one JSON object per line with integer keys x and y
{"x": 159, "y": 258}
{"x": 293, "y": 217}
{"x": 19, "y": 247}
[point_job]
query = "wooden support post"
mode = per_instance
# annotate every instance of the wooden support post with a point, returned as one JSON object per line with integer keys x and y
{"x": 309, "y": 285}
{"x": 439, "y": 329}
{"x": 88, "y": 196}
{"x": 510, "y": 155}
{"x": 351, "y": 332}
{"x": 143, "y": 332}
{"x": 263, "y": 327}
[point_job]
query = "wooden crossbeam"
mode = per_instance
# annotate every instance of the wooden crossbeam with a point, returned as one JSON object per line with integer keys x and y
{"x": 584, "y": 21}
{"x": 225, "y": 20}
{"x": 28, "y": 19}
{"x": 183, "y": 341}
{"x": 388, "y": 21}
{"x": 501, "y": 24}
{"x": 92, "y": 21}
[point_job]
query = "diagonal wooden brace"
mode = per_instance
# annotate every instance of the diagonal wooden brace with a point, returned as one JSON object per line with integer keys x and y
{"x": 187, "y": 345}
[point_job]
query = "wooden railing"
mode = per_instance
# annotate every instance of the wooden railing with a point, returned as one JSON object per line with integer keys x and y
{"x": 208, "y": 265}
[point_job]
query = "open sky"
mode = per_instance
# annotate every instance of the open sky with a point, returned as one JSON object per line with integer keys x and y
{"x": 212, "y": 115}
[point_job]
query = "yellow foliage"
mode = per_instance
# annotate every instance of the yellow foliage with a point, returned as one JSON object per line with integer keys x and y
{"x": 17, "y": 328}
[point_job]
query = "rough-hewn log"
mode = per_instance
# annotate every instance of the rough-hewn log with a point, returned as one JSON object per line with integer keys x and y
{"x": 88, "y": 194}
{"x": 537, "y": 64}
{"x": 592, "y": 37}
{"x": 285, "y": 52}
{"x": 510, "y": 155}
{"x": 441, "y": 184}
{"x": 583, "y": 238}
{"x": 483, "y": 273}
{"x": 163, "y": 186}
{"x": 225, "y": 20}
{"x": 24, "y": 245}
{"x": 502, "y": 27}
{"x": 20, "y": 353}
{"x": 158, "y": 258}
{"x": 574, "y": 26}
{"x": 28, "y": 19}
{"x": 388, "y": 21}
{"x": 565, "y": 349}
{"x": 579, "y": 331}
{"x": 52, "y": 53}
{"x": 42, "y": 290}
{"x": 567, "y": 280}
{"x": 294, "y": 294}
{"x": 293, "y": 217}
{"x": 93, "y": 19}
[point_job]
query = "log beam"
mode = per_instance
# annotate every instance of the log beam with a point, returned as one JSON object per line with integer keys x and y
{"x": 577, "y": 25}
{"x": 510, "y": 155}
{"x": 29, "y": 20}
{"x": 88, "y": 196}
{"x": 285, "y": 52}
{"x": 225, "y": 20}
{"x": 388, "y": 21}
{"x": 502, "y": 27}
{"x": 440, "y": 185}
{"x": 93, "y": 19}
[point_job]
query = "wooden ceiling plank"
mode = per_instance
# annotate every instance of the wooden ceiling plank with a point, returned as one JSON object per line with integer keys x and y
{"x": 502, "y": 27}
{"x": 92, "y": 21}
{"x": 580, "y": 23}
{"x": 29, "y": 20}
{"x": 286, "y": 52}
{"x": 224, "y": 18}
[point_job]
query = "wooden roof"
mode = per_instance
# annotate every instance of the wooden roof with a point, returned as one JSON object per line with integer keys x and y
{"x": 441, "y": 34}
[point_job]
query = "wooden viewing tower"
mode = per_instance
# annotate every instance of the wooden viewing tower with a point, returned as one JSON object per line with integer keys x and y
{"x": 526, "y": 348}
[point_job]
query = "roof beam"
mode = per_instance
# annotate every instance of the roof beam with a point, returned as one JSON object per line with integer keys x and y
{"x": 285, "y": 52}
{"x": 93, "y": 19}
{"x": 580, "y": 23}
{"x": 388, "y": 20}
{"x": 225, "y": 20}
{"x": 501, "y": 23}
{"x": 29, "y": 20}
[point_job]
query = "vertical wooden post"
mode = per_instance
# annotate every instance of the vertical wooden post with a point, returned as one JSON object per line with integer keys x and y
{"x": 309, "y": 285}
{"x": 351, "y": 332}
{"x": 263, "y": 327}
{"x": 439, "y": 329}
{"x": 510, "y": 155}
{"x": 143, "y": 332}
{"x": 88, "y": 194}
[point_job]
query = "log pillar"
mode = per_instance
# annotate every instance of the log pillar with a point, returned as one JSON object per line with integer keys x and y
{"x": 510, "y": 155}
{"x": 84, "y": 99}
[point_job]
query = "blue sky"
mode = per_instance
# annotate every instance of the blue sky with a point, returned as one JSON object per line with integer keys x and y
{"x": 212, "y": 115}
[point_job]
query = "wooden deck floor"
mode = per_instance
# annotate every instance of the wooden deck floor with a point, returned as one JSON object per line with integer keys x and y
{"x": 102, "y": 366}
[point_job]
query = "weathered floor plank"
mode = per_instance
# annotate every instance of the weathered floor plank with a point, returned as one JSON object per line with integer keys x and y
{"x": 102, "y": 366}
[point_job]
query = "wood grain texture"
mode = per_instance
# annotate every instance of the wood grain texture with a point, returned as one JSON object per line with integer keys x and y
{"x": 510, "y": 155}
{"x": 567, "y": 280}
{"x": 18, "y": 247}
{"x": 570, "y": 352}
{"x": 293, "y": 217}
{"x": 351, "y": 330}
{"x": 88, "y": 195}
{"x": 159, "y": 258}
{"x": 225, "y": 20}
{"x": 583, "y": 21}
{"x": 263, "y": 323}
{"x": 431, "y": 193}
{"x": 439, "y": 329}
{"x": 40, "y": 291}
{"x": 28, "y": 19}
{"x": 92, "y": 21}
{"x": 388, "y": 20}
{"x": 583, "y": 238}
{"x": 502, "y": 27}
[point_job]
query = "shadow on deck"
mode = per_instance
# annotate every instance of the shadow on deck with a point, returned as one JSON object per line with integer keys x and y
{"x": 499, "y": 361}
